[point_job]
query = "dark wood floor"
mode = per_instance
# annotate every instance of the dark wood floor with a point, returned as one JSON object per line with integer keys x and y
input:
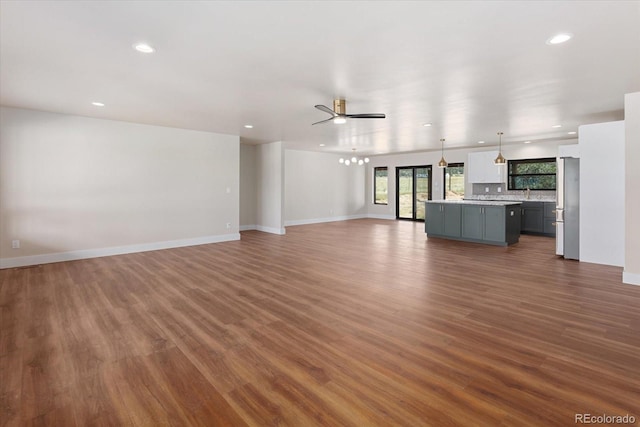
{"x": 355, "y": 323}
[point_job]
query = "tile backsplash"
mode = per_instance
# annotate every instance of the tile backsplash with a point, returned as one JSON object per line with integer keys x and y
{"x": 480, "y": 193}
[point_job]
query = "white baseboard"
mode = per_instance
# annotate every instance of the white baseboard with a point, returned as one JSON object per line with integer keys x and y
{"x": 119, "y": 250}
{"x": 290, "y": 223}
{"x": 336, "y": 218}
{"x": 272, "y": 230}
{"x": 630, "y": 278}
{"x": 376, "y": 216}
{"x": 321, "y": 220}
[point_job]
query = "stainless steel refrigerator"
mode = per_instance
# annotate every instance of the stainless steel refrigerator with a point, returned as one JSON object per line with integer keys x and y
{"x": 568, "y": 208}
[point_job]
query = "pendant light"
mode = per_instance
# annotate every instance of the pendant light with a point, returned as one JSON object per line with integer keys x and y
{"x": 442, "y": 163}
{"x": 500, "y": 160}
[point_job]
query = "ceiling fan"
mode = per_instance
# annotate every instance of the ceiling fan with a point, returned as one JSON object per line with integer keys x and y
{"x": 339, "y": 113}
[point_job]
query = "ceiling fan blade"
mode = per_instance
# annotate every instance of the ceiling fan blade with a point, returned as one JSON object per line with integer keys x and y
{"x": 367, "y": 116}
{"x": 326, "y": 110}
{"x": 323, "y": 121}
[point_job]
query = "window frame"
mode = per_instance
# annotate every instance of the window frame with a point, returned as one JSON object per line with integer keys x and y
{"x": 444, "y": 176}
{"x": 413, "y": 191}
{"x": 511, "y": 176}
{"x": 375, "y": 170}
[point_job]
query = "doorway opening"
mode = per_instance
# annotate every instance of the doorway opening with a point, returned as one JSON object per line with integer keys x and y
{"x": 413, "y": 188}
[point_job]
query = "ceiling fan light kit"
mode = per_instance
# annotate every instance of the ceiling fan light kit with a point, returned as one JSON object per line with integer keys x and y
{"x": 339, "y": 113}
{"x": 339, "y": 116}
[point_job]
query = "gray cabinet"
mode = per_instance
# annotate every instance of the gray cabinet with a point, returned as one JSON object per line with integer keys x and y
{"x": 494, "y": 223}
{"x": 443, "y": 219}
{"x": 434, "y": 219}
{"x": 491, "y": 224}
{"x": 549, "y": 209}
{"x": 538, "y": 218}
{"x": 532, "y": 218}
{"x": 549, "y": 228}
{"x": 452, "y": 220}
{"x": 484, "y": 223}
{"x": 472, "y": 222}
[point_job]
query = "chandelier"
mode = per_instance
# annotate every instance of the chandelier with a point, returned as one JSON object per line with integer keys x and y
{"x": 354, "y": 159}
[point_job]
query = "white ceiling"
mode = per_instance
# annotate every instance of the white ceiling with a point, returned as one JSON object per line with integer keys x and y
{"x": 470, "y": 68}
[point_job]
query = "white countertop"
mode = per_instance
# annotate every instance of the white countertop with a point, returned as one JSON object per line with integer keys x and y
{"x": 478, "y": 202}
{"x": 512, "y": 199}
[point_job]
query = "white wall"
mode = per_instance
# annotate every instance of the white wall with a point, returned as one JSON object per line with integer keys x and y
{"x": 632, "y": 190}
{"x": 270, "y": 188}
{"x": 75, "y": 187}
{"x": 248, "y": 186}
{"x": 602, "y": 193}
{"x": 319, "y": 189}
{"x": 511, "y": 152}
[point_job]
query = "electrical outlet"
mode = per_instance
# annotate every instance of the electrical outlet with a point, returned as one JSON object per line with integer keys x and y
{"x": 486, "y": 189}
{"x": 499, "y": 189}
{"x": 228, "y": 190}
{"x": 228, "y": 225}
{"x": 15, "y": 244}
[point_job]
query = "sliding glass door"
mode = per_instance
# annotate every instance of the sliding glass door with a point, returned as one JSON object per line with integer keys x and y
{"x": 413, "y": 188}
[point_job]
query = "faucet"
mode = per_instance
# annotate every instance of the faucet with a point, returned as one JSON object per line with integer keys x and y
{"x": 527, "y": 193}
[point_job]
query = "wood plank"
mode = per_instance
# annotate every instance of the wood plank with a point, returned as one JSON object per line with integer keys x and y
{"x": 353, "y": 323}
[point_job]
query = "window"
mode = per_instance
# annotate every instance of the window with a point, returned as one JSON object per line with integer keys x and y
{"x": 454, "y": 181}
{"x": 534, "y": 174}
{"x": 380, "y": 180}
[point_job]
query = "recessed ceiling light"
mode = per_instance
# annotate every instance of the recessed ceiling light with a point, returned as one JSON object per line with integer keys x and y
{"x": 144, "y": 48}
{"x": 572, "y": 133}
{"x": 248, "y": 126}
{"x": 527, "y": 142}
{"x": 97, "y": 104}
{"x": 559, "y": 38}
{"x": 480, "y": 142}
{"x": 556, "y": 126}
{"x": 321, "y": 145}
{"x": 427, "y": 124}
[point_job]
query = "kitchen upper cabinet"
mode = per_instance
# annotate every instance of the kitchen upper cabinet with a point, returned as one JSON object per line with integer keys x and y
{"x": 481, "y": 169}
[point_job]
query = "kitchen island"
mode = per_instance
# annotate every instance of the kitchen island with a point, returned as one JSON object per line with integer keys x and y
{"x": 480, "y": 221}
